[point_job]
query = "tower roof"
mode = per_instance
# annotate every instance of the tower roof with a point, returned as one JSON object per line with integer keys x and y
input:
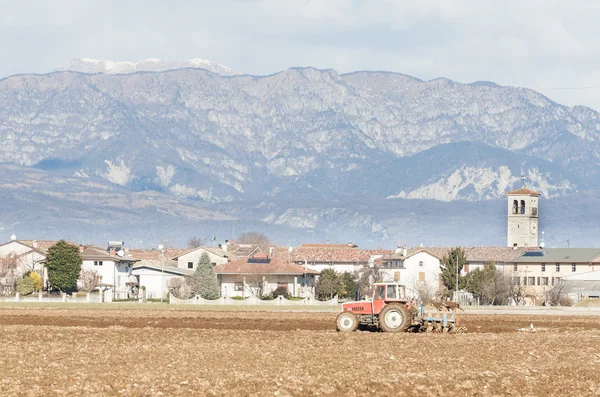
{"x": 523, "y": 191}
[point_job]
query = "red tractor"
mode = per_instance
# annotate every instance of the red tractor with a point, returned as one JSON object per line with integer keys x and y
{"x": 391, "y": 311}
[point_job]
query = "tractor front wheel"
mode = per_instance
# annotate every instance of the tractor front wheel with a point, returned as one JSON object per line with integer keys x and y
{"x": 394, "y": 317}
{"x": 346, "y": 322}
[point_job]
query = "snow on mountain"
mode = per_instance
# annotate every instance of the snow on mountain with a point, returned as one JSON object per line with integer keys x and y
{"x": 88, "y": 65}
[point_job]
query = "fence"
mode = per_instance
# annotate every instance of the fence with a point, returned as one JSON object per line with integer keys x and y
{"x": 252, "y": 300}
{"x": 40, "y": 298}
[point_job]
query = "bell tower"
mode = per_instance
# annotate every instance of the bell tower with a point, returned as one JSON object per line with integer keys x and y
{"x": 522, "y": 218}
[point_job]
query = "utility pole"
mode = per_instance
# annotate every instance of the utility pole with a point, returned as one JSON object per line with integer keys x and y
{"x": 456, "y": 299}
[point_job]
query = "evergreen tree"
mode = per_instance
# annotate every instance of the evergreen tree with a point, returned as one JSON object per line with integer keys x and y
{"x": 64, "y": 265}
{"x": 448, "y": 268}
{"x": 329, "y": 284}
{"x": 204, "y": 281}
{"x": 350, "y": 285}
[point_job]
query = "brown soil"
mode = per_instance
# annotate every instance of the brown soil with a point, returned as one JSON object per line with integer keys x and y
{"x": 147, "y": 352}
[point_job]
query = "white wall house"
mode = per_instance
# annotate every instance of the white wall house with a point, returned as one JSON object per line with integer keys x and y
{"x": 21, "y": 257}
{"x": 245, "y": 276}
{"x": 189, "y": 260}
{"x": 417, "y": 269}
{"x": 156, "y": 279}
{"x": 114, "y": 270}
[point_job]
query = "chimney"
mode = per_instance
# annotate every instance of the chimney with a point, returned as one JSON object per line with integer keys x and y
{"x": 81, "y": 248}
{"x": 224, "y": 245}
{"x": 404, "y": 251}
{"x": 270, "y": 251}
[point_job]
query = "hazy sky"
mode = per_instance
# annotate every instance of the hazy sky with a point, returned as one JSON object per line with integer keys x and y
{"x": 552, "y": 46}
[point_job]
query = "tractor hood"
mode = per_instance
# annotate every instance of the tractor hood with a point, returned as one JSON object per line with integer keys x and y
{"x": 361, "y": 307}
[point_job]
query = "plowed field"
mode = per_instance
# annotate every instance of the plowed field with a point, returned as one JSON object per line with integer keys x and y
{"x": 169, "y": 352}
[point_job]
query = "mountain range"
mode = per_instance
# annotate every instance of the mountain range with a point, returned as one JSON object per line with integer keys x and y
{"x": 106, "y": 149}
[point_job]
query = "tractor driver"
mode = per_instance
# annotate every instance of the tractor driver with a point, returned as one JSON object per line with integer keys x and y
{"x": 379, "y": 292}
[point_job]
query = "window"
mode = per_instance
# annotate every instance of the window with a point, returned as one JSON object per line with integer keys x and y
{"x": 515, "y": 207}
{"x": 97, "y": 263}
{"x": 421, "y": 276}
{"x": 544, "y": 281}
{"x": 534, "y": 211}
{"x": 392, "y": 291}
{"x": 530, "y": 280}
{"x": 515, "y": 267}
{"x": 522, "y": 206}
{"x": 190, "y": 265}
{"x": 282, "y": 286}
{"x": 421, "y": 263}
{"x": 574, "y": 267}
{"x": 379, "y": 291}
{"x": 543, "y": 267}
{"x": 239, "y": 286}
{"x": 524, "y": 280}
{"x": 552, "y": 280}
{"x": 558, "y": 267}
{"x": 538, "y": 281}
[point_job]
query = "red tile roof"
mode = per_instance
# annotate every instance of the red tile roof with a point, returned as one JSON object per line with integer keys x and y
{"x": 523, "y": 191}
{"x": 331, "y": 246}
{"x": 326, "y": 254}
{"x": 274, "y": 266}
{"x": 155, "y": 254}
{"x": 481, "y": 254}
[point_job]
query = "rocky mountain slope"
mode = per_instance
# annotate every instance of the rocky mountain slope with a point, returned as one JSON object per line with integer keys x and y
{"x": 88, "y": 65}
{"x": 300, "y": 150}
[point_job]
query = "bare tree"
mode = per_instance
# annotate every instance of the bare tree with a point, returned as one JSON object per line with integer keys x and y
{"x": 89, "y": 280}
{"x": 368, "y": 277}
{"x": 179, "y": 288}
{"x": 8, "y": 274}
{"x": 256, "y": 284}
{"x": 423, "y": 291}
{"x": 556, "y": 296}
{"x": 254, "y": 238}
{"x": 194, "y": 242}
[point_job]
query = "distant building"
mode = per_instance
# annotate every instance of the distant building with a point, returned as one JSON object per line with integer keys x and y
{"x": 189, "y": 259}
{"x": 417, "y": 269}
{"x": 539, "y": 270}
{"x": 523, "y": 215}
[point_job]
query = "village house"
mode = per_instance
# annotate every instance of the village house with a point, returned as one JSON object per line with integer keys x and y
{"x": 113, "y": 267}
{"x": 417, "y": 269}
{"x": 190, "y": 258}
{"x": 17, "y": 257}
{"x": 260, "y": 275}
{"x": 156, "y": 279}
{"x": 339, "y": 257}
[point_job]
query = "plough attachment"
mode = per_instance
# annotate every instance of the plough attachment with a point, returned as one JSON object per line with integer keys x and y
{"x": 439, "y": 317}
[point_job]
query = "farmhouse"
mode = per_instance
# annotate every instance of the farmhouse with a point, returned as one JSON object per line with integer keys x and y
{"x": 260, "y": 275}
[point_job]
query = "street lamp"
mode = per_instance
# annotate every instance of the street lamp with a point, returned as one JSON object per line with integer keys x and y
{"x": 162, "y": 271}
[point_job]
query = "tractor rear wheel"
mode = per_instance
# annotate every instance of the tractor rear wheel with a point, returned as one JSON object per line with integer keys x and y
{"x": 394, "y": 317}
{"x": 346, "y": 322}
